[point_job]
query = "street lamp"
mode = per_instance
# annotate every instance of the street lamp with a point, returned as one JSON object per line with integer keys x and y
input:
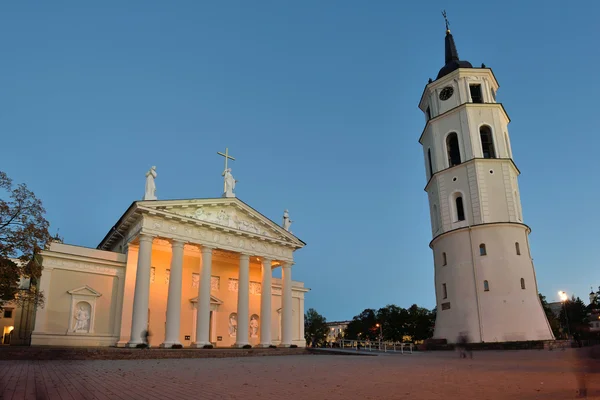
{"x": 380, "y": 334}
{"x": 563, "y": 298}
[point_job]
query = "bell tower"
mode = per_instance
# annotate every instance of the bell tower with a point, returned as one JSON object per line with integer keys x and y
{"x": 485, "y": 281}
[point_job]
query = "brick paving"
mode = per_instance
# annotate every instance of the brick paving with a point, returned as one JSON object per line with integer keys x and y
{"x": 493, "y": 375}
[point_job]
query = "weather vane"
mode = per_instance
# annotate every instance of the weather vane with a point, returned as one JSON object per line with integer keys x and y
{"x": 446, "y": 19}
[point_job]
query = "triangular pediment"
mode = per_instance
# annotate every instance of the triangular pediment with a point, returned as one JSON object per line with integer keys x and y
{"x": 84, "y": 291}
{"x": 213, "y": 300}
{"x": 225, "y": 213}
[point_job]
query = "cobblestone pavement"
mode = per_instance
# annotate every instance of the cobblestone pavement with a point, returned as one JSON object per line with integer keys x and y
{"x": 511, "y": 375}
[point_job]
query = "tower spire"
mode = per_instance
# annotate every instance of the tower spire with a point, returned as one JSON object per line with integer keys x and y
{"x": 452, "y": 61}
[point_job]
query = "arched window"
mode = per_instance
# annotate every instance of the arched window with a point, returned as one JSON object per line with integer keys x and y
{"x": 518, "y": 248}
{"x": 522, "y": 283}
{"x": 430, "y": 164}
{"x": 487, "y": 143}
{"x": 486, "y": 286}
{"x": 444, "y": 259}
{"x": 453, "y": 150}
{"x": 460, "y": 210}
{"x": 482, "y": 250}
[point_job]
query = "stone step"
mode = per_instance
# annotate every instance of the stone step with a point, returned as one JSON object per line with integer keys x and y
{"x": 113, "y": 353}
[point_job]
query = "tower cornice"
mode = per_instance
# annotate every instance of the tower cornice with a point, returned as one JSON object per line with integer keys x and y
{"x": 471, "y": 161}
{"x": 478, "y": 226}
{"x": 459, "y": 108}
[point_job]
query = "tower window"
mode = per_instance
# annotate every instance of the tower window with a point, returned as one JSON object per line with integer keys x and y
{"x": 476, "y": 96}
{"x": 453, "y": 150}
{"x": 460, "y": 210}
{"x": 444, "y": 290}
{"x": 487, "y": 143}
{"x": 444, "y": 259}
{"x": 518, "y": 248}
{"x": 522, "y": 283}
{"x": 482, "y": 250}
{"x": 486, "y": 286}
{"x": 430, "y": 164}
{"x": 428, "y": 113}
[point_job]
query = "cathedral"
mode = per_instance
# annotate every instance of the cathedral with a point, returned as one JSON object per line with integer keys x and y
{"x": 485, "y": 281}
{"x": 176, "y": 273}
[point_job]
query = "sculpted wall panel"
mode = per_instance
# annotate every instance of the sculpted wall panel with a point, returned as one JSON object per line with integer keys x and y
{"x": 50, "y": 262}
{"x": 224, "y": 240}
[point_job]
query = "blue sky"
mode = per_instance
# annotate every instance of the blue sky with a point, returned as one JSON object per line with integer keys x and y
{"x": 318, "y": 103}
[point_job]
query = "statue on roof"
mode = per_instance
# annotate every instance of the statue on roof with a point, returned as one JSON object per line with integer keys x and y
{"x": 287, "y": 222}
{"x": 229, "y": 183}
{"x": 150, "y": 185}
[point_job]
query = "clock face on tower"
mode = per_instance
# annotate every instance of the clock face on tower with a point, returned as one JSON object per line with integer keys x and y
{"x": 446, "y": 93}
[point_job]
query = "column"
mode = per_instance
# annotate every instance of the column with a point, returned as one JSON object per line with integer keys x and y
{"x": 174, "y": 296}
{"x": 286, "y": 306}
{"x": 139, "y": 319}
{"x": 241, "y": 337}
{"x": 265, "y": 304}
{"x": 203, "y": 316}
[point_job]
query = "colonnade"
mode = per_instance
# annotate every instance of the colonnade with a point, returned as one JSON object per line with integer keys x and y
{"x": 172, "y": 333}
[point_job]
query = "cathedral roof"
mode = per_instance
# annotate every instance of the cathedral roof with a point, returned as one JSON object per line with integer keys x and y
{"x": 452, "y": 61}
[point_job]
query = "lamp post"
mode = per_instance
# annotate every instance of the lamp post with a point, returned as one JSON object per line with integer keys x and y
{"x": 563, "y": 298}
{"x": 380, "y": 334}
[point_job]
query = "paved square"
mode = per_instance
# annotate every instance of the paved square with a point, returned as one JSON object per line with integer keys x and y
{"x": 437, "y": 375}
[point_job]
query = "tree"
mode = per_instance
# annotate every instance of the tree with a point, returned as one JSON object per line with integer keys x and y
{"x": 396, "y": 323}
{"x": 23, "y": 234}
{"x": 576, "y": 316}
{"x": 363, "y": 326}
{"x": 315, "y": 327}
{"x": 420, "y": 323}
{"x": 393, "y": 322}
{"x": 552, "y": 319}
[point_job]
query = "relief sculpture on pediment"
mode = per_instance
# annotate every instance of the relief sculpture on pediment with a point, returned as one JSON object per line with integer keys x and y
{"x": 223, "y": 217}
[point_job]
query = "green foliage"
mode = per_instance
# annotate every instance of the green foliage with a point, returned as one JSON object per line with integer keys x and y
{"x": 315, "y": 327}
{"x": 552, "y": 319}
{"x": 396, "y": 324}
{"x": 23, "y": 234}
{"x": 575, "y": 317}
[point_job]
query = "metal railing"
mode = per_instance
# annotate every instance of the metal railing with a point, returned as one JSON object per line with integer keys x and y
{"x": 369, "y": 345}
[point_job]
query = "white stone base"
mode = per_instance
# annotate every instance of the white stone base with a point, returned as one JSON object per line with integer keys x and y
{"x": 81, "y": 340}
{"x": 263, "y": 346}
{"x": 169, "y": 345}
{"x": 200, "y": 345}
{"x": 240, "y": 345}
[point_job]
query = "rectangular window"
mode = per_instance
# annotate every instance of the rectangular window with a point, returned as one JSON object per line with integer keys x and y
{"x": 8, "y": 313}
{"x": 445, "y": 306}
{"x": 476, "y": 96}
{"x": 445, "y": 290}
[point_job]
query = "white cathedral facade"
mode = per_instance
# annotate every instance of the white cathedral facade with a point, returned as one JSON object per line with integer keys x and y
{"x": 192, "y": 273}
{"x": 485, "y": 280}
